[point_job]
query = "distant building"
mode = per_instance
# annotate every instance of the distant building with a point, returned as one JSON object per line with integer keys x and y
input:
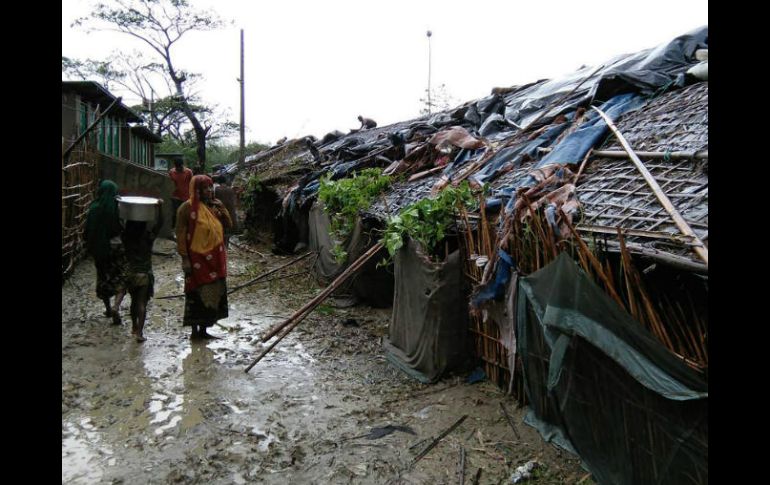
{"x": 164, "y": 161}
{"x": 113, "y": 136}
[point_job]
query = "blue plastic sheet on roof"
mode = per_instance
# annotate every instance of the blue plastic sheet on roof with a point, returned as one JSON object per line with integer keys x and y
{"x": 513, "y": 156}
{"x": 570, "y": 150}
{"x": 574, "y": 147}
{"x": 462, "y": 157}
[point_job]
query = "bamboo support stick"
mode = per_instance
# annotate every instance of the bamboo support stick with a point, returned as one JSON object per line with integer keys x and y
{"x": 300, "y": 314}
{"x": 594, "y": 263}
{"x": 681, "y": 155}
{"x": 510, "y": 421}
{"x": 661, "y": 256}
{"x": 700, "y": 250}
{"x": 582, "y": 166}
{"x": 424, "y": 173}
{"x": 264, "y": 275}
{"x": 626, "y": 264}
{"x": 309, "y": 306}
{"x": 439, "y": 438}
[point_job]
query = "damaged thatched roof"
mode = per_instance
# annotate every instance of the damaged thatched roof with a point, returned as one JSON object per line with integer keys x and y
{"x": 614, "y": 195}
{"x": 536, "y": 135}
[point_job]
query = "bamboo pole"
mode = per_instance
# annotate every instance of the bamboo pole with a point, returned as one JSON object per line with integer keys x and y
{"x": 683, "y": 155}
{"x": 67, "y": 152}
{"x": 294, "y": 320}
{"x": 252, "y": 281}
{"x": 594, "y": 262}
{"x": 439, "y": 438}
{"x": 264, "y": 275}
{"x": 424, "y": 173}
{"x": 301, "y": 313}
{"x": 582, "y": 166}
{"x": 660, "y": 256}
{"x": 510, "y": 421}
{"x": 700, "y": 249}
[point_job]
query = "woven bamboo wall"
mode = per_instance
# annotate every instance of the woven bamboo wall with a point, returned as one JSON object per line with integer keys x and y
{"x": 79, "y": 178}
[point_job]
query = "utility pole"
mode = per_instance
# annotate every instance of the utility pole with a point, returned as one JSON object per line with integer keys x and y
{"x": 241, "y": 155}
{"x": 429, "y": 34}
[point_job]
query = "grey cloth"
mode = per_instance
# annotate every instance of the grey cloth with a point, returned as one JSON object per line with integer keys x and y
{"x": 598, "y": 382}
{"x": 428, "y": 332}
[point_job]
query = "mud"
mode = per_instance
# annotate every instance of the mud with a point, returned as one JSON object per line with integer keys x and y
{"x": 174, "y": 411}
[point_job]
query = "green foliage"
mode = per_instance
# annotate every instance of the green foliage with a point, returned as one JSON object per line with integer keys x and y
{"x": 343, "y": 199}
{"x": 427, "y": 220}
{"x": 325, "y": 310}
{"x": 248, "y": 199}
{"x": 158, "y": 25}
{"x": 216, "y": 154}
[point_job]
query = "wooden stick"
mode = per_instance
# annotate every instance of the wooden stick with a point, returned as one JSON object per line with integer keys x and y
{"x": 440, "y": 437}
{"x": 625, "y": 260}
{"x": 425, "y": 173}
{"x": 582, "y": 166}
{"x": 272, "y": 345}
{"x": 594, "y": 262}
{"x": 510, "y": 421}
{"x": 700, "y": 249}
{"x": 661, "y": 256}
{"x": 477, "y": 477}
{"x": 246, "y": 248}
{"x": 701, "y": 155}
{"x": 309, "y": 306}
{"x": 300, "y": 315}
{"x": 251, "y": 282}
{"x": 263, "y": 275}
{"x": 66, "y": 154}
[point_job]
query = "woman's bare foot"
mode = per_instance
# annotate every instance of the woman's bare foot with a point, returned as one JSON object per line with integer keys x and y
{"x": 140, "y": 338}
{"x": 208, "y": 336}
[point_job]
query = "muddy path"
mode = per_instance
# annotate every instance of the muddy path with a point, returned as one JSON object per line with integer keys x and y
{"x": 175, "y": 411}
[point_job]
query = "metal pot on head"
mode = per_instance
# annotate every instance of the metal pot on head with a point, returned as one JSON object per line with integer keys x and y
{"x": 133, "y": 208}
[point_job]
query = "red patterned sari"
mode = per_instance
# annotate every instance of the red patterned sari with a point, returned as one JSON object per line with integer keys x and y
{"x": 205, "y": 240}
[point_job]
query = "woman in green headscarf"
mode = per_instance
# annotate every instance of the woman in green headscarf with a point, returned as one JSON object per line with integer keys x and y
{"x": 102, "y": 225}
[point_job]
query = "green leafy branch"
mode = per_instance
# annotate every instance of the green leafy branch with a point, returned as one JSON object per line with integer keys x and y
{"x": 344, "y": 199}
{"x": 428, "y": 220}
{"x": 249, "y": 197}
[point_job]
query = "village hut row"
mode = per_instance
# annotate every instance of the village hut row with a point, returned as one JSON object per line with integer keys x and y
{"x": 571, "y": 281}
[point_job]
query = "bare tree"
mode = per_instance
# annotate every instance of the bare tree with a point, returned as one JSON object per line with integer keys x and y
{"x": 159, "y": 24}
{"x": 438, "y": 99}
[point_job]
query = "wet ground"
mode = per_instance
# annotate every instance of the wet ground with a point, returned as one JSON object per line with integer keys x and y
{"x": 174, "y": 411}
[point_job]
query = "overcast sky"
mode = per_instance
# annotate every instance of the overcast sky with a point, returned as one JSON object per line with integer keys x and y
{"x": 313, "y": 66}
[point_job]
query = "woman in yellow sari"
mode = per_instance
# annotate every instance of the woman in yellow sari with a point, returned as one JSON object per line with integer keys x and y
{"x": 201, "y": 221}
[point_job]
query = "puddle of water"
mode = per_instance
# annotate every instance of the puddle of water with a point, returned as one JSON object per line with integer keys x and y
{"x": 266, "y": 438}
{"x": 82, "y": 453}
{"x": 171, "y": 424}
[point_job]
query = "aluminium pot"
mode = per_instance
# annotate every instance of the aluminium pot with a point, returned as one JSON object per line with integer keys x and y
{"x": 133, "y": 208}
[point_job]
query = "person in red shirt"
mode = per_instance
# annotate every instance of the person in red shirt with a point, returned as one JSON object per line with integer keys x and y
{"x": 181, "y": 176}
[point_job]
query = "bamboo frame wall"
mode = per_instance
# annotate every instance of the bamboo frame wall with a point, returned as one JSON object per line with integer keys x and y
{"x": 478, "y": 240}
{"x": 79, "y": 177}
{"x": 680, "y": 326}
{"x": 613, "y": 194}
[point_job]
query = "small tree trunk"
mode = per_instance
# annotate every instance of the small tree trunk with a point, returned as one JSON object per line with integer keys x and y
{"x": 200, "y": 138}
